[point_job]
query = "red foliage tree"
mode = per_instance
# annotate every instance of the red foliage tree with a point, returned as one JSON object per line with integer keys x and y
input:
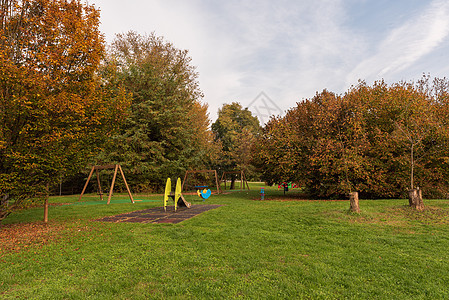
{"x": 371, "y": 140}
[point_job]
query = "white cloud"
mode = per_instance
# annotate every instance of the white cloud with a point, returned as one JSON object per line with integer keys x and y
{"x": 287, "y": 48}
{"x": 406, "y": 44}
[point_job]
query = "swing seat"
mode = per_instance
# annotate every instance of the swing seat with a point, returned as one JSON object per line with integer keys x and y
{"x": 201, "y": 186}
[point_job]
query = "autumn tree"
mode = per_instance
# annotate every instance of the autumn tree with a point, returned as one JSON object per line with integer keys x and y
{"x": 318, "y": 144}
{"x": 379, "y": 140}
{"x": 338, "y": 143}
{"x": 52, "y": 108}
{"x": 235, "y": 129}
{"x": 166, "y": 130}
{"x": 407, "y": 140}
{"x": 437, "y": 152}
{"x": 277, "y": 153}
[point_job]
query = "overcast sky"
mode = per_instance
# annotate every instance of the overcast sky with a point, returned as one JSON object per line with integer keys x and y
{"x": 272, "y": 54}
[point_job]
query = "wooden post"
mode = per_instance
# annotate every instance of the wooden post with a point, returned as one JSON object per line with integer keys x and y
{"x": 46, "y": 205}
{"x": 46, "y": 210}
{"x": 184, "y": 181}
{"x": 243, "y": 180}
{"x": 354, "y": 202}
{"x": 112, "y": 184}
{"x": 223, "y": 175}
{"x": 60, "y": 185}
{"x": 202, "y": 171}
{"x": 99, "y": 185}
{"x": 216, "y": 182}
{"x": 126, "y": 184}
{"x": 244, "y": 177}
{"x": 87, "y": 182}
{"x": 106, "y": 167}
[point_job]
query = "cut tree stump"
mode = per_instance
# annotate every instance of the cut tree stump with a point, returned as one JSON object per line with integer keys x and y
{"x": 354, "y": 202}
{"x": 415, "y": 199}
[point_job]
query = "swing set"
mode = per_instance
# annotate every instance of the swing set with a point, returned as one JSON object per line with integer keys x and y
{"x": 194, "y": 172}
{"x": 106, "y": 167}
{"x": 243, "y": 180}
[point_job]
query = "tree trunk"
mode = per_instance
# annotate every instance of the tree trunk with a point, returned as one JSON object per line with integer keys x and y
{"x": 412, "y": 167}
{"x": 415, "y": 199}
{"x": 232, "y": 183}
{"x": 354, "y": 202}
{"x": 46, "y": 210}
{"x": 3, "y": 215}
{"x": 46, "y": 205}
{"x": 4, "y": 207}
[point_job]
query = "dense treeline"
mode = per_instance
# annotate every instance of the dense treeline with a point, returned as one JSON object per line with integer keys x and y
{"x": 67, "y": 102}
{"x": 234, "y": 132}
{"x": 166, "y": 131}
{"x": 53, "y": 110}
{"x": 377, "y": 140}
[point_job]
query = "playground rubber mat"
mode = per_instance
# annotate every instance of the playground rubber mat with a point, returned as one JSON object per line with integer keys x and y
{"x": 158, "y": 215}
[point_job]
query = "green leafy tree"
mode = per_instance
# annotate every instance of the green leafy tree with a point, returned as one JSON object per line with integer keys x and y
{"x": 235, "y": 129}
{"x": 52, "y": 108}
{"x": 166, "y": 130}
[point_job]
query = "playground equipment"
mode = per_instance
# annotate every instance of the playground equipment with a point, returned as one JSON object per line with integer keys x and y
{"x": 106, "y": 167}
{"x": 203, "y": 191}
{"x": 177, "y": 196}
{"x": 287, "y": 185}
{"x": 167, "y": 193}
{"x": 290, "y": 185}
{"x": 202, "y": 171}
{"x": 243, "y": 180}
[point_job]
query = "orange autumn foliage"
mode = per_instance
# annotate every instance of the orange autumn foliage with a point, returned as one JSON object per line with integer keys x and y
{"x": 52, "y": 107}
{"x": 377, "y": 140}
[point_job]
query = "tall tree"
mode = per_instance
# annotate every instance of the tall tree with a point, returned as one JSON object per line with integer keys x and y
{"x": 166, "y": 131}
{"x": 52, "y": 109}
{"x": 318, "y": 144}
{"x": 235, "y": 129}
{"x": 379, "y": 140}
{"x": 277, "y": 153}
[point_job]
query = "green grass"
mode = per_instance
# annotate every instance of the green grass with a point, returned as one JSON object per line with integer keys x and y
{"x": 246, "y": 249}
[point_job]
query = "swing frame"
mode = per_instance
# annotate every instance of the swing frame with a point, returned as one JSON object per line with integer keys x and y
{"x": 106, "y": 167}
{"x": 243, "y": 180}
{"x": 201, "y": 171}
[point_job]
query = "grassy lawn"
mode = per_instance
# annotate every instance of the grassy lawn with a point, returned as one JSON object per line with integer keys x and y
{"x": 245, "y": 249}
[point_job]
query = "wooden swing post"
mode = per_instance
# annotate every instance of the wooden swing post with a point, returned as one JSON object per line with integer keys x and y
{"x": 106, "y": 167}
{"x": 242, "y": 178}
{"x": 99, "y": 185}
{"x": 201, "y": 171}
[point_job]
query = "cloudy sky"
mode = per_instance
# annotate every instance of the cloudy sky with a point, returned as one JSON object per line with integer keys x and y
{"x": 271, "y": 54}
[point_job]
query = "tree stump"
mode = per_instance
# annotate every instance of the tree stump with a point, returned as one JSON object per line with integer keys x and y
{"x": 354, "y": 202}
{"x": 415, "y": 199}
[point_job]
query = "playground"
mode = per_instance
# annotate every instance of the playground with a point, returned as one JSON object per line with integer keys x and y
{"x": 283, "y": 247}
{"x": 160, "y": 215}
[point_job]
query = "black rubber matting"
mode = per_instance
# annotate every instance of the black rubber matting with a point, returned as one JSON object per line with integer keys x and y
{"x": 158, "y": 215}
